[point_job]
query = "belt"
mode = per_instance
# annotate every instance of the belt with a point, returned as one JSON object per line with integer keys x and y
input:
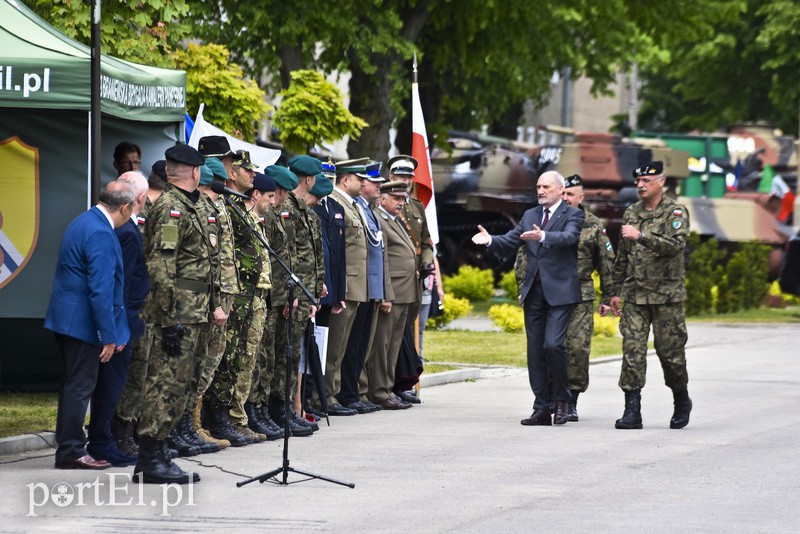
{"x": 192, "y": 285}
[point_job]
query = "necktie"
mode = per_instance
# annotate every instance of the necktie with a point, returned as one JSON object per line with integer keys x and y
{"x": 546, "y": 218}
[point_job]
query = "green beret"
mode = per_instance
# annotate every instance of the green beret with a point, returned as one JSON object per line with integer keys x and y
{"x": 305, "y": 165}
{"x": 322, "y": 186}
{"x": 206, "y": 175}
{"x": 285, "y": 178}
{"x": 216, "y": 167}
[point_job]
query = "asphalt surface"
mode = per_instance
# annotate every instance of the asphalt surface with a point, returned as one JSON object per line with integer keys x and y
{"x": 462, "y": 462}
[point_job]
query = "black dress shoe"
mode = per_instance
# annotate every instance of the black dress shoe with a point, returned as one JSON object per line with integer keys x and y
{"x": 538, "y": 418}
{"x": 338, "y": 409}
{"x": 84, "y": 462}
{"x": 372, "y": 405}
{"x": 407, "y": 397}
{"x": 360, "y": 407}
{"x": 562, "y": 413}
{"x": 310, "y": 409}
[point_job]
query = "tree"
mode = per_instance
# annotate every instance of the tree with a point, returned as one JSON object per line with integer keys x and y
{"x": 233, "y": 103}
{"x": 312, "y": 111}
{"x": 142, "y": 31}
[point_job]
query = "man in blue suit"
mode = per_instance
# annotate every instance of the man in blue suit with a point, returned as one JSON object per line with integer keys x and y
{"x": 87, "y": 314}
{"x": 113, "y": 374}
{"x": 550, "y": 233}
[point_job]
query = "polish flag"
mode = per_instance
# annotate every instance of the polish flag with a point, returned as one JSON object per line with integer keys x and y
{"x": 423, "y": 176}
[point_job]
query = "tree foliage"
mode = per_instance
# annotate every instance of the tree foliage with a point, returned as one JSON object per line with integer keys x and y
{"x": 142, "y": 31}
{"x": 312, "y": 110}
{"x": 232, "y": 102}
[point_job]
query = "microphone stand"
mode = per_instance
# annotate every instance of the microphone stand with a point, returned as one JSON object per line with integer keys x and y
{"x": 293, "y": 282}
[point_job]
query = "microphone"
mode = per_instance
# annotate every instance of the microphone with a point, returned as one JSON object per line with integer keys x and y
{"x": 220, "y": 189}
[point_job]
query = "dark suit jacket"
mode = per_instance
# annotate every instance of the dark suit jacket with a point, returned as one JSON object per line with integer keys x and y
{"x": 556, "y": 260}
{"x": 137, "y": 282}
{"x": 332, "y": 222}
{"x": 86, "y": 302}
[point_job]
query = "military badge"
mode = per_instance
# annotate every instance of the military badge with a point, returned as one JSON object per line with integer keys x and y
{"x": 19, "y": 206}
{"x": 140, "y": 220}
{"x": 213, "y": 239}
{"x": 285, "y": 214}
{"x": 175, "y": 214}
{"x": 212, "y": 219}
{"x": 677, "y": 213}
{"x": 338, "y": 216}
{"x": 604, "y": 231}
{"x": 609, "y": 247}
{"x": 676, "y": 224}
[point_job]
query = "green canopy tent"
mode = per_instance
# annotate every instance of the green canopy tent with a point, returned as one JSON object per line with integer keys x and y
{"x": 44, "y": 166}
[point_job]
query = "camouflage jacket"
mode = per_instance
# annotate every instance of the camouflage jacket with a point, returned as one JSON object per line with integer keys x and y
{"x": 252, "y": 258}
{"x": 279, "y": 241}
{"x": 309, "y": 263}
{"x": 228, "y": 277}
{"x": 595, "y": 253}
{"x": 181, "y": 251}
{"x": 414, "y": 216}
{"x": 651, "y": 269}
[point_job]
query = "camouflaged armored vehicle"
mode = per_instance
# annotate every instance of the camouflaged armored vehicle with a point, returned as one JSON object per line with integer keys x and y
{"x": 492, "y": 181}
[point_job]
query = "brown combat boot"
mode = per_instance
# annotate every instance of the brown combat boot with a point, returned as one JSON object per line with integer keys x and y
{"x": 244, "y": 430}
{"x": 202, "y": 432}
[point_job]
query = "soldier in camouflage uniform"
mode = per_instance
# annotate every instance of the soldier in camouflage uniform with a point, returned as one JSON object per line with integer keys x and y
{"x": 649, "y": 276}
{"x": 595, "y": 253}
{"x": 308, "y": 265}
{"x": 264, "y": 372}
{"x": 179, "y": 251}
{"x": 230, "y": 388}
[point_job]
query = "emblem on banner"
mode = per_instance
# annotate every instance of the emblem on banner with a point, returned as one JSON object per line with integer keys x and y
{"x": 19, "y": 206}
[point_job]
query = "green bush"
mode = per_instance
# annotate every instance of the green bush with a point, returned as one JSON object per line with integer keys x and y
{"x": 454, "y": 308}
{"x": 508, "y": 283}
{"x": 470, "y": 283}
{"x": 703, "y": 273}
{"x": 509, "y": 317}
{"x": 745, "y": 282}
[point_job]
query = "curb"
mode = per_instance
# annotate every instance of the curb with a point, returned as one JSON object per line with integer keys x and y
{"x": 449, "y": 377}
{"x": 27, "y": 442}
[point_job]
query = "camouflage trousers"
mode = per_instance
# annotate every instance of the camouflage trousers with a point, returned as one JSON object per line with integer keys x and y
{"x": 215, "y": 338}
{"x": 130, "y": 404}
{"x": 169, "y": 380}
{"x": 278, "y": 384}
{"x": 249, "y": 357}
{"x": 578, "y": 344}
{"x": 245, "y": 321}
{"x": 265, "y": 363}
{"x": 669, "y": 333}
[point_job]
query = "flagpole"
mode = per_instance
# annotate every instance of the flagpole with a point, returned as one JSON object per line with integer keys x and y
{"x": 414, "y": 79}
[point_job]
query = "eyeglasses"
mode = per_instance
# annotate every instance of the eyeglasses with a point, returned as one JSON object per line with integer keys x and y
{"x": 646, "y": 180}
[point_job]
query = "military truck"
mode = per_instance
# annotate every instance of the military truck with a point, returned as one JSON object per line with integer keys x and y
{"x": 492, "y": 181}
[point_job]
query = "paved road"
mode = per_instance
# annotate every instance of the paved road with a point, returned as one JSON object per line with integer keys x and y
{"x": 462, "y": 462}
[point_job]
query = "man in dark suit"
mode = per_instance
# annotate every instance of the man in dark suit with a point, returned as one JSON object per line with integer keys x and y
{"x": 550, "y": 233}
{"x": 87, "y": 314}
{"x": 331, "y": 218}
{"x": 113, "y": 374}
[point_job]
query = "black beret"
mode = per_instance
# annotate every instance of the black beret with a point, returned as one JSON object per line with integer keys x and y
{"x": 572, "y": 181}
{"x": 160, "y": 168}
{"x": 262, "y": 182}
{"x": 184, "y": 154}
{"x": 214, "y": 145}
{"x": 651, "y": 169}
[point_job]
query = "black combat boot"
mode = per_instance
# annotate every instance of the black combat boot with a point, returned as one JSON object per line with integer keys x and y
{"x": 255, "y": 420}
{"x": 276, "y": 411}
{"x": 155, "y": 467}
{"x": 573, "y": 407}
{"x": 177, "y": 442}
{"x": 632, "y": 418}
{"x": 123, "y": 434}
{"x": 190, "y": 436}
{"x": 683, "y": 407}
{"x": 263, "y": 411}
{"x": 218, "y": 424}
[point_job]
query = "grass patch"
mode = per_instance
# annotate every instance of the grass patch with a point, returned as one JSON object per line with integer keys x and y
{"x": 760, "y": 315}
{"x": 23, "y": 413}
{"x": 431, "y": 368}
{"x": 495, "y": 348}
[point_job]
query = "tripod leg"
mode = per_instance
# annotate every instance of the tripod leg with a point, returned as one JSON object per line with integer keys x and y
{"x": 320, "y": 477}
{"x": 261, "y": 478}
